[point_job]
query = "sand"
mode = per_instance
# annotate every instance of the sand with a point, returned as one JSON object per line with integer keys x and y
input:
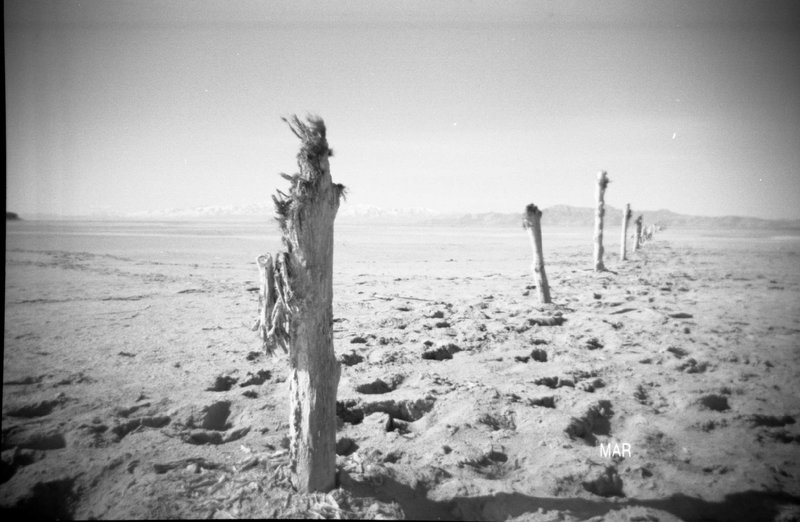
{"x": 133, "y": 386}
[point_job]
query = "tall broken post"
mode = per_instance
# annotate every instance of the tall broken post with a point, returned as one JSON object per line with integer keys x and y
{"x": 602, "y": 183}
{"x": 296, "y": 307}
{"x": 533, "y": 223}
{"x": 626, "y": 217}
{"x": 637, "y": 240}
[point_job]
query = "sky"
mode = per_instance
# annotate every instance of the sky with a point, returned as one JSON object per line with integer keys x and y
{"x": 457, "y": 106}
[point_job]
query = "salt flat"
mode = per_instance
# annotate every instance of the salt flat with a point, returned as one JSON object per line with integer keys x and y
{"x": 133, "y": 386}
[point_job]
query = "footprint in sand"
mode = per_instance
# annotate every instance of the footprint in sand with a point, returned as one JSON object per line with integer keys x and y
{"x": 677, "y": 352}
{"x": 34, "y": 440}
{"x": 555, "y": 320}
{"x": 498, "y": 422}
{"x": 593, "y": 344}
{"x": 692, "y": 366}
{"x": 37, "y": 409}
{"x": 351, "y": 359}
{"x": 442, "y": 353}
{"x": 606, "y": 484}
{"x": 255, "y": 379}
{"x": 222, "y": 383}
{"x": 346, "y": 446}
{"x": 595, "y": 421}
{"x": 125, "y": 428}
{"x": 548, "y": 401}
{"x": 539, "y": 355}
{"x": 214, "y": 426}
{"x": 17, "y": 458}
{"x": 492, "y": 463}
{"x": 399, "y": 413}
{"x": 379, "y": 386}
{"x": 771, "y": 421}
{"x": 591, "y": 385}
{"x": 24, "y": 381}
{"x": 554, "y": 382}
{"x": 714, "y": 402}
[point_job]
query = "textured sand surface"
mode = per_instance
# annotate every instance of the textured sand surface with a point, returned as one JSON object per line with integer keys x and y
{"x": 134, "y": 387}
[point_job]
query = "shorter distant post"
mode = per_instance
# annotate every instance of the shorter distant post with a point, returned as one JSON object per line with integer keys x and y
{"x": 637, "y": 244}
{"x": 600, "y": 211}
{"x": 533, "y": 224}
{"x": 626, "y": 217}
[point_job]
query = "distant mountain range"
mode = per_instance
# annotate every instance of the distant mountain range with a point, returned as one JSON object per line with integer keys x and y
{"x": 564, "y": 215}
{"x": 558, "y": 215}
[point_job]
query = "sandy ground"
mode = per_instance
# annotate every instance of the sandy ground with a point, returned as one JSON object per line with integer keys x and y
{"x": 133, "y": 386}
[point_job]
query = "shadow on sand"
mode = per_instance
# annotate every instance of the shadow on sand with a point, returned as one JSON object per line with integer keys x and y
{"x": 747, "y": 505}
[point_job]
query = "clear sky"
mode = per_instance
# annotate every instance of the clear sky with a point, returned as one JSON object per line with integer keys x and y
{"x": 457, "y": 106}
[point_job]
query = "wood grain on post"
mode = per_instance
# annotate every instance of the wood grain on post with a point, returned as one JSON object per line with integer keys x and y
{"x": 626, "y": 217}
{"x": 532, "y": 222}
{"x": 602, "y": 183}
{"x": 297, "y": 307}
{"x": 637, "y": 243}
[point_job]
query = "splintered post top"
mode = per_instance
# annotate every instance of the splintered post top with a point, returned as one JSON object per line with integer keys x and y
{"x": 312, "y": 134}
{"x": 531, "y": 213}
{"x": 602, "y": 178}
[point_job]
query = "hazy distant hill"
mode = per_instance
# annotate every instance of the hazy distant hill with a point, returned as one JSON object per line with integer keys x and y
{"x": 558, "y": 215}
{"x": 564, "y": 215}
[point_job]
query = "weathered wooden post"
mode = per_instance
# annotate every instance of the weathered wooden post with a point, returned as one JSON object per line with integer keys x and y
{"x": 296, "y": 310}
{"x": 602, "y": 183}
{"x": 533, "y": 223}
{"x": 626, "y": 217}
{"x": 637, "y": 243}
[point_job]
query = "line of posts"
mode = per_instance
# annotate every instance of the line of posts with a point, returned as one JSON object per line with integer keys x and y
{"x": 296, "y": 294}
{"x": 532, "y": 222}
